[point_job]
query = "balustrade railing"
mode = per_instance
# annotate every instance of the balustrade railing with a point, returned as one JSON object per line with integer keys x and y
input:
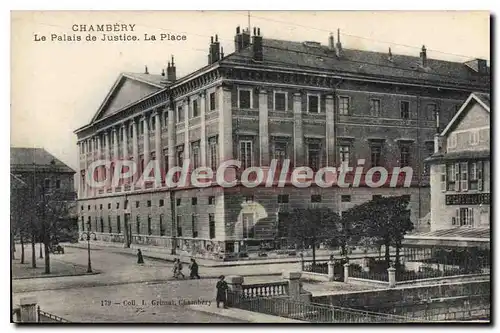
{"x": 265, "y": 289}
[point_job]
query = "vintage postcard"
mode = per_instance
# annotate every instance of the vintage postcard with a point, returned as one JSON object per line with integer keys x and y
{"x": 250, "y": 167}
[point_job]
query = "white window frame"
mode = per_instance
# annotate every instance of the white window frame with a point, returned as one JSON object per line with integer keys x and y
{"x": 480, "y": 175}
{"x": 213, "y": 158}
{"x": 348, "y": 103}
{"x": 377, "y": 114}
{"x": 179, "y": 110}
{"x": 319, "y": 151}
{"x": 457, "y": 177}
{"x": 443, "y": 180}
{"x": 251, "y": 97}
{"x": 464, "y": 171}
{"x": 348, "y": 152}
{"x": 286, "y": 99}
{"x": 251, "y": 151}
{"x": 474, "y": 138}
{"x": 319, "y": 103}
{"x": 452, "y": 140}
{"x": 195, "y": 147}
{"x": 431, "y": 116}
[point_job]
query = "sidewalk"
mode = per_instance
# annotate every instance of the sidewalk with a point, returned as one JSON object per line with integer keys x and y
{"x": 248, "y": 316}
{"x": 161, "y": 254}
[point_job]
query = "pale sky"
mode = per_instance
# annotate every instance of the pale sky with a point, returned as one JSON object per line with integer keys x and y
{"x": 57, "y": 87}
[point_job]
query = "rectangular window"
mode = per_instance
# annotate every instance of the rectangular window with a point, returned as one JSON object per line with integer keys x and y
{"x": 212, "y": 101}
{"x": 211, "y": 200}
{"x": 213, "y": 153}
{"x": 480, "y": 175}
{"x": 375, "y": 107}
{"x": 141, "y": 127}
{"x": 58, "y": 183}
{"x": 196, "y": 110}
{"x": 178, "y": 202}
{"x": 100, "y": 206}
{"x": 452, "y": 140}
{"x": 280, "y": 152}
{"x": 161, "y": 203}
{"x": 102, "y": 224}
{"x": 110, "y": 228}
{"x": 283, "y": 198}
{"x": 179, "y": 226}
{"x": 442, "y": 171}
{"x": 137, "y": 225}
{"x": 180, "y": 157}
{"x": 125, "y": 204}
{"x": 316, "y": 198}
{"x": 195, "y": 151}
{"x": 345, "y": 198}
{"x": 162, "y": 227}
{"x": 248, "y": 231}
{"x": 152, "y": 123}
{"x": 451, "y": 177}
{"x": 46, "y": 183}
{"x": 246, "y": 154}
{"x": 245, "y": 98}
{"x": 194, "y": 201}
{"x": 313, "y": 155}
{"x": 313, "y": 103}
{"x": 194, "y": 222}
{"x": 211, "y": 225}
{"x": 280, "y": 101}
{"x": 344, "y": 151}
{"x": 118, "y": 224}
{"x": 248, "y": 198}
{"x": 457, "y": 177}
{"x": 404, "y": 107}
{"x": 344, "y": 105}
{"x": 405, "y": 156}
{"x": 474, "y": 138}
{"x": 473, "y": 176}
{"x": 431, "y": 111}
{"x": 375, "y": 155}
{"x": 465, "y": 217}
{"x": 149, "y": 203}
{"x": 464, "y": 179}
{"x": 137, "y": 204}
{"x": 180, "y": 114}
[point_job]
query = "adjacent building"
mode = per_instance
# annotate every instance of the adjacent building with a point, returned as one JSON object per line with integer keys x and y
{"x": 316, "y": 105}
{"x": 460, "y": 190}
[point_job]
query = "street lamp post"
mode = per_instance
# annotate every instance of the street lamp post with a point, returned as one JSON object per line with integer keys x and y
{"x": 87, "y": 234}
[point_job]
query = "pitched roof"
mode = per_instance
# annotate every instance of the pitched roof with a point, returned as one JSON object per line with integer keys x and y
{"x": 22, "y": 159}
{"x": 310, "y": 55}
{"x": 152, "y": 79}
{"x": 481, "y": 98}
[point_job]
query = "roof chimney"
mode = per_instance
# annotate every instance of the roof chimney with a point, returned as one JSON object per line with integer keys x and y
{"x": 171, "y": 75}
{"x": 338, "y": 48}
{"x": 214, "y": 50}
{"x": 237, "y": 40}
{"x": 146, "y": 70}
{"x": 257, "y": 45}
{"x": 331, "y": 42}
{"x": 389, "y": 56}
{"x": 163, "y": 72}
{"x": 245, "y": 39}
{"x": 423, "y": 57}
{"x": 221, "y": 52}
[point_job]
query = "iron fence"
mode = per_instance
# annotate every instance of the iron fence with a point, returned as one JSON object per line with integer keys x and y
{"x": 45, "y": 317}
{"x": 318, "y": 267}
{"x": 372, "y": 275}
{"x": 310, "y": 312}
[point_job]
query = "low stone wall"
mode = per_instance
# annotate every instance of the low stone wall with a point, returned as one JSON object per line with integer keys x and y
{"x": 443, "y": 280}
{"x": 368, "y": 283}
{"x": 315, "y": 276}
{"x": 375, "y": 299}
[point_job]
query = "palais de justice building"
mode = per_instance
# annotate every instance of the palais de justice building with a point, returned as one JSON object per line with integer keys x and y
{"x": 314, "y": 104}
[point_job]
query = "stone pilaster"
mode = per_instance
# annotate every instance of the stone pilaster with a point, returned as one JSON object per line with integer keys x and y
{"x": 263, "y": 128}
{"x": 298, "y": 135}
{"x": 107, "y": 157}
{"x": 203, "y": 134}
{"x": 158, "y": 149}
{"x": 135, "y": 149}
{"x": 146, "y": 151}
{"x": 171, "y": 136}
{"x": 225, "y": 124}
{"x": 186, "y": 131}
{"x": 330, "y": 131}
{"x": 114, "y": 132}
{"x": 125, "y": 147}
{"x": 99, "y": 156}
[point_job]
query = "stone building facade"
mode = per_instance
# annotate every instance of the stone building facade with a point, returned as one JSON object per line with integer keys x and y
{"x": 317, "y": 105}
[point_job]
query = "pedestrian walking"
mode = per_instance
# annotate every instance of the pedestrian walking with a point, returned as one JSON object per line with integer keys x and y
{"x": 140, "y": 259}
{"x": 221, "y": 292}
{"x": 193, "y": 267}
{"x": 178, "y": 269}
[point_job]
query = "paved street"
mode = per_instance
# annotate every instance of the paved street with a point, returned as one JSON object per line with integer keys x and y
{"x": 78, "y": 298}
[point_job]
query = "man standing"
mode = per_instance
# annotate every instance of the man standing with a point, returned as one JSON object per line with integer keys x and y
{"x": 194, "y": 269}
{"x": 140, "y": 259}
{"x": 221, "y": 292}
